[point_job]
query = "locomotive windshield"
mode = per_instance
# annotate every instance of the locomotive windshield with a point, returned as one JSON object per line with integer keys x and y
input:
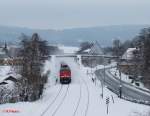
{"x": 65, "y": 67}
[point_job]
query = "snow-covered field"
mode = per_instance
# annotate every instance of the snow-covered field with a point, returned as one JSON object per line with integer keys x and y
{"x": 81, "y": 98}
{"x": 69, "y": 49}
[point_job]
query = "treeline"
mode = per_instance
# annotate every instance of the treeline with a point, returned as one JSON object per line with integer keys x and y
{"x": 33, "y": 51}
{"x": 142, "y": 43}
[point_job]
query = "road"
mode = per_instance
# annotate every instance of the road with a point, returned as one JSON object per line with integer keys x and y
{"x": 128, "y": 92}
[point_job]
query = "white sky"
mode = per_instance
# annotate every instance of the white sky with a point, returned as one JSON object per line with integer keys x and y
{"x": 60, "y": 14}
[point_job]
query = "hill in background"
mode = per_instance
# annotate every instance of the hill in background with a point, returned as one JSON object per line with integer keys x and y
{"x": 104, "y": 34}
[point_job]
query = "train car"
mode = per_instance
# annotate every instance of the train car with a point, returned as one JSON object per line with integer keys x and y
{"x": 65, "y": 74}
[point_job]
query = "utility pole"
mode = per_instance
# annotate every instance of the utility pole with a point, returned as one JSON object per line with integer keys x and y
{"x": 103, "y": 79}
{"x": 120, "y": 86}
{"x": 102, "y": 89}
{"x": 104, "y": 74}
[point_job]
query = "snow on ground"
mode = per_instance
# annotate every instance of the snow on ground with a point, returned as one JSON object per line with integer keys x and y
{"x": 4, "y": 70}
{"x": 119, "y": 107}
{"x": 90, "y": 71}
{"x": 81, "y": 98}
{"x": 125, "y": 78}
{"x": 69, "y": 49}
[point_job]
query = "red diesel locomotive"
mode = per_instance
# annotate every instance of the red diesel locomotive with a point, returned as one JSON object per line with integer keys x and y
{"x": 65, "y": 74}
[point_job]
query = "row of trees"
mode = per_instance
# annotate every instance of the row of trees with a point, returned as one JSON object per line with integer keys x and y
{"x": 118, "y": 47}
{"x": 142, "y": 43}
{"x": 33, "y": 51}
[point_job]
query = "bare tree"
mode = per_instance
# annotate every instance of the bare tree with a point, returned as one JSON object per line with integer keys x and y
{"x": 143, "y": 43}
{"x": 32, "y": 52}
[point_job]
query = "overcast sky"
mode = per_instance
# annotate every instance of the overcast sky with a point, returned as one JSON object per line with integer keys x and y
{"x": 59, "y": 14}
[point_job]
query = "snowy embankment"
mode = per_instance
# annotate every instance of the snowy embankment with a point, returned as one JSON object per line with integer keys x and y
{"x": 117, "y": 106}
{"x": 126, "y": 79}
{"x": 81, "y": 98}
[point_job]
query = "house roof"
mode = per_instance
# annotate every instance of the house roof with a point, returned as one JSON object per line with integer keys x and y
{"x": 11, "y": 78}
{"x": 3, "y": 53}
{"x": 3, "y": 83}
{"x": 129, "y": 55}
{"x": 94, "y": 49}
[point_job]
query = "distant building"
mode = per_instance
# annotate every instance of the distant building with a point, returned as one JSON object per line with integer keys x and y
{"x": 129, "y": 55}
{"x": 3, "y": 52}
{"x": 130, "y": 61}
{"x": 8, "y": 54}
{"x": 13, "y": 51}
{"x": 93, "y": 49}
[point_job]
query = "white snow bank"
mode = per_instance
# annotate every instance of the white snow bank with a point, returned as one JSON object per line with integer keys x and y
{"x": 69, "y": 49}
{"x": 125, "y": 78}
{"x": 116, "y": 108}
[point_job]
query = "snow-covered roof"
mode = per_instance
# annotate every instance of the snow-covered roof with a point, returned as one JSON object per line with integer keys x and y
{"x": 96, "y": 49}
{"x": 87, "y": 50}
{"x": 10, "y": 84}
{"x": 6, "y": 71}
{"x": 128, "y": 55}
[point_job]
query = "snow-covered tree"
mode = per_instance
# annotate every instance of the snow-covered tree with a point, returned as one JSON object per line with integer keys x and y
{"x": 32, "y": 52}
{"x": 143, "y": 43}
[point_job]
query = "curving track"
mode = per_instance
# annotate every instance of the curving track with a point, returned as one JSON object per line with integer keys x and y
{"x": 59, "y": 105}
{"x": 88, "y": 97}
{"x": 51, "y": 103}
{"x": 59, "y": 96}
{"x": 78, "y": 103}
{"x": 79, "y": 93}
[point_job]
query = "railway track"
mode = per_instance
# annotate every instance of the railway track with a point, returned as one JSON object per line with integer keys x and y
{"x": 53, "y": 114}
{"x": 60, "y": 95}
{"x": 44, "y": 113}
{"x": 80, "y": 96}
{"x": 78, "y": 103}
{"x": 51, "y": 103}
{"x": 88, "y": 97}
{"x": 55, "y": 107}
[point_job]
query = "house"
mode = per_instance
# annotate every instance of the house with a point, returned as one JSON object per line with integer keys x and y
{"x": 3, "y": 52}
{"x": 92, "y": 49}
{"x": 10, "y": 80}
{"x": 130, "y": 61}
{"x": 130, "y": 54}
